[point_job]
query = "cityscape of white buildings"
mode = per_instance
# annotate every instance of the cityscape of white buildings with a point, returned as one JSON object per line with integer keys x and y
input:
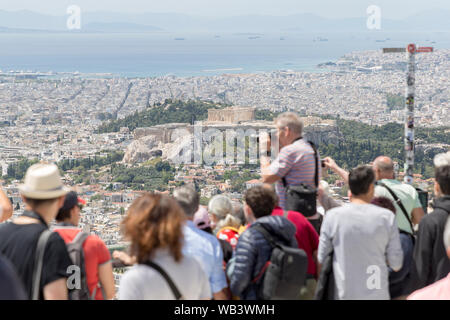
{"x": 55, "y": 119}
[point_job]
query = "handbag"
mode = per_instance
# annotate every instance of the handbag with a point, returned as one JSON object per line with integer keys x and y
{"x": 302, "y": 197}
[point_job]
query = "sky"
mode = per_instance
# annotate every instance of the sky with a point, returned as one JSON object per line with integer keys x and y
{"x": 390, "y": 9}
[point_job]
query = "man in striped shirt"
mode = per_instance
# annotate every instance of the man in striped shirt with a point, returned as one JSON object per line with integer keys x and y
{"x": 295, "y": 161}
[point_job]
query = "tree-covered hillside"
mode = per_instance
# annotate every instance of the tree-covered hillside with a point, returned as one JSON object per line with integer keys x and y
{"x": 171, "y": 111}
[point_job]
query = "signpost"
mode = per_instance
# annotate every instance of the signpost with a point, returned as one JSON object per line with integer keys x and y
{"x": 409, "y": 110}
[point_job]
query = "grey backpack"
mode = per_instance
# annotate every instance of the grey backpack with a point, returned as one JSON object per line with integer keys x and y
{"x": 283, "y": 276}
{"x": 76, "y": 253}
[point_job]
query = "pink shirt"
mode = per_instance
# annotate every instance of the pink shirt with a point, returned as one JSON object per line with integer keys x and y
{"x": 439, "y": 290}
{"x": 295, "y": 163}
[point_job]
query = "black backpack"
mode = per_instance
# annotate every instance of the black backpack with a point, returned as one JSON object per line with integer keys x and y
{"x": 76, "y": 253}
{"x": 285, "y": 272}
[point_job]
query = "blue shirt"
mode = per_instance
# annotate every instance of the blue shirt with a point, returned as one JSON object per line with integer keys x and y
{"x": 206, "y": 249}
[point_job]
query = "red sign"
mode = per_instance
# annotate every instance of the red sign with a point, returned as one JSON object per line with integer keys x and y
{"x": 424, "y": 49}
{"x": 411, "y": 48}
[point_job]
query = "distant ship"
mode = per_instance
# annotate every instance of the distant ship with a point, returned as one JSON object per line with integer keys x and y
{"x": 253, "y": 38}
{"x": 180, "y": 39}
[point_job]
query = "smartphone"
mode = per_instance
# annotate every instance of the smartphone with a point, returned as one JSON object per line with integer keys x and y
{"x": 322, "y": 163}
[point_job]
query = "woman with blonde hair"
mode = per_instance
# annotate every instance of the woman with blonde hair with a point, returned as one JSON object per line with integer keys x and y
{"x": 154, "y": 226}
{"x": 223, "y": 222}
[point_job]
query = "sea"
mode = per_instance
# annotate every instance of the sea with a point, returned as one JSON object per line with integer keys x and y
{"x": 186, "y": 55}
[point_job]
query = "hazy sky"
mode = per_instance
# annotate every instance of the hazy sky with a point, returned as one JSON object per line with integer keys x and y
{"x": 391, "y": 9}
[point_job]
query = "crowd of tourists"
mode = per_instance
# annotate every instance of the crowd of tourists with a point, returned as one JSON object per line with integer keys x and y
{"x": 288, "y": 239}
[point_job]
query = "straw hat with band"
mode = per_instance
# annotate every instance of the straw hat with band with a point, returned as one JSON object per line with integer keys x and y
{"x": 42, "y": 182}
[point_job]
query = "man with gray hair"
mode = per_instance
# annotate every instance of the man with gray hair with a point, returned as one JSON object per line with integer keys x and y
{"x": 200, "y": 245}
{"x": 430, "y": 257}
{"x": 296, "y": 162}
{"x": 439, "y": 290}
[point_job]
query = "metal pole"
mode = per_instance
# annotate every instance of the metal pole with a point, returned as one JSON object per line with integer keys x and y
{"x": 409, "y": 115}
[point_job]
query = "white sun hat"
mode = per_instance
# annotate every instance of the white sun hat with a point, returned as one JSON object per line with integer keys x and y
{"x": 43, "y": 181}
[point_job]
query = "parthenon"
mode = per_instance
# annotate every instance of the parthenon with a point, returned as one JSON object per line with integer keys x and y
{"x": 231, "y": 114}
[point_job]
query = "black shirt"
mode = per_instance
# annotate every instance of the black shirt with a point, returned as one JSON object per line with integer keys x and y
{"x": 10, "y": 285}
{"x": 18, "y": 244}
{"x": 431, "y": 262}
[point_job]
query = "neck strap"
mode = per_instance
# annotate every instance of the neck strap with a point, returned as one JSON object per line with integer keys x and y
{"x": 32, "y": 214}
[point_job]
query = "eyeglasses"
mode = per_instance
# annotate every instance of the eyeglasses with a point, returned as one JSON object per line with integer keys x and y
{"x": 80, "y": 206}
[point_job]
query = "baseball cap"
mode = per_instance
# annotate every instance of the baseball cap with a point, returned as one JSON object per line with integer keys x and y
{"x": 72, "y": 200}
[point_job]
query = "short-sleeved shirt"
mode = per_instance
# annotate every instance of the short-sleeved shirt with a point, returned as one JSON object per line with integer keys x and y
{"x": 206, "y": 249}
{"x": 11, "y": 287}
{"x": 296, "y": 164}
{"x": 306, "y": 235}
{"x": 95, "y": 254}
{"x": 365, "y": 240}
{"x": 407, "y": 194}
{"x": 18, "y": 244}
{"x": 142, "y": 282}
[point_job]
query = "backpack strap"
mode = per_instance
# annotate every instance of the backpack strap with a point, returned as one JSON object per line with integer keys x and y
{"x": 273, "y": 242}
{"x": 173, "y": 287}
{"x": 80, "y": 238}
{"x": 94, "y": 293}
{"x": 38, "y": 262}
{"x": 399, "y": 203}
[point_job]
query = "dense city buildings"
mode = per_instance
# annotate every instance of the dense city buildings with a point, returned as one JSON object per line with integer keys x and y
{"x": 55, "y": 118}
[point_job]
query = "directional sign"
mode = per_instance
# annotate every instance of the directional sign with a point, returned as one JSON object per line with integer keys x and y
{"x": 393, "y": 50}
{"x": 424, "y": 49}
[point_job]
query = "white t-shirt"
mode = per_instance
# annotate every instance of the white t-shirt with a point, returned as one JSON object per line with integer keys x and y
{"x": 142, "y": 282}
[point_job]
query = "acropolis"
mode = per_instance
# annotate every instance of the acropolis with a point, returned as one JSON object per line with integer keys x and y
{"x": 232, "y": 114}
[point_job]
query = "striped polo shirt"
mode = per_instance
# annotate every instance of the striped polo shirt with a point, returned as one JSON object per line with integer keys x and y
{"x": 295, "y": 163}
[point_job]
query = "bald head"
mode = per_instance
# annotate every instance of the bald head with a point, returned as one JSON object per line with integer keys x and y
{"x": 384, "y": 168}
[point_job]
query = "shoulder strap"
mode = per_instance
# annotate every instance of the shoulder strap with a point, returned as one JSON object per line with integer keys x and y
{"x": 399, "y": 203}
{"x": 173, "y": 287}
{"x": 316, "y": 166}
{"x": 38, "y": 262}
{"x": 80, "y": 238}
{"x": 273, "y": 242}
{"x": 94, "y": 293}
{"x": 316, "y": 160}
